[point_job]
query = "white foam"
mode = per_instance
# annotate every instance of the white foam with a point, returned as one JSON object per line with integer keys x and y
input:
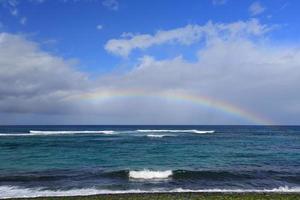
{"x": 33, "y": 133}
{"x": 67, "y": 132}
{"x": 14, "y": 134}
{"x": 282, "y": 189}
{"x": 156, "y": 136}
{"x": 106, "y": 132}
{"x": 148, "y": 174}
{"x": 173, "y": 131}
{"x": 203, "y": 132}
{"x": 18, "y": 192}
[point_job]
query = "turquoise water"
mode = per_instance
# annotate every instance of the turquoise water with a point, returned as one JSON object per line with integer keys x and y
{"x": 54, "y": 160}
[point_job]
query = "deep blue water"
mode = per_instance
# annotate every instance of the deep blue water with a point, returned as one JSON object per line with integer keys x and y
{"x": 83, "y": 160}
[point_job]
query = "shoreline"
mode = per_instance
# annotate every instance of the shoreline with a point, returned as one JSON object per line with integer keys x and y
{"x": 176, "y": 195}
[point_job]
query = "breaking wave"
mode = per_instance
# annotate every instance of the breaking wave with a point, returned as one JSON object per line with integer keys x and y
{"x": 14, "y": 134}
{"x": 173, "y": 131}
{"x": 67, "y": 132}
{"x": 18, "y": 192}
{"x": 148, "y": 174}
{"x": 33, "y": 133}
{"x": 172, "y": 175}
{"x": 218, "y": 175}
{"x": 156, "y": 136}
{"x": 107, "y": 132}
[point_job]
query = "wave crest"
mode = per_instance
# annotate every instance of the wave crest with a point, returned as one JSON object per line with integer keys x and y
{"x": 14, "y": 134}
{"x": 156, "y": 136}
{"x": 148, "y": 174}
{"x": 67, "y": 132}
{"x": 36, "y": 133}
{"x": 174, "y": 131}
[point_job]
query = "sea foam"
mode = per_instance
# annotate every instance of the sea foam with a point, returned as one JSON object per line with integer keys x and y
{"x": 33, "y": 133}
{"x": 148, "y": 174}
{"x": 156, "y": 136}
{"x": 14, "y": 134}
{"x": 67, "y": 132}
{"x": 18, "y": 192}
{"x": 281, "y": 189}
{"x": 173, "y": 131}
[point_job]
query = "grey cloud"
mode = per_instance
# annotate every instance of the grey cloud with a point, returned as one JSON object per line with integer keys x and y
{"x": 248, "y": 73}
{"x": 239, "y": 67}
{"x": 31, "y": 79}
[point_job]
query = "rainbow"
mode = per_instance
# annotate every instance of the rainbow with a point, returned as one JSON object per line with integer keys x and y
{"x": 204, "y": 101}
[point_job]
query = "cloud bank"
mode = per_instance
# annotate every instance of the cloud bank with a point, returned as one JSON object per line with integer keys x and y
{"x": 32, "y": 80}
{"x": 237, "y": 63}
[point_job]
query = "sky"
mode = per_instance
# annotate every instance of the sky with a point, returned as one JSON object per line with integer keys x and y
{"x": 201, "y": 62}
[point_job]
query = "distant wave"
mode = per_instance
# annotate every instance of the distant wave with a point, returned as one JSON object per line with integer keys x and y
{"x": 18, "y": 192}
{"x": 148, "y": 174}
{"x": 173, "y": 131}
{"x": 157, "y": 136}
{"x": 107, "y": 132}
{"x": 67, "y": 132}
{"x": 33, "y": 132}
{"x": 14, "y": 134}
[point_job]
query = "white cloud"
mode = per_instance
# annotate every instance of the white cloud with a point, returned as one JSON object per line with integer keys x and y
{"x": 12, "y": 3}
{"x": 219, "y": 2}
{"x": 111, "y": 4}
{"x": 38, "y": 1}
{"x": 14, "y": 12}
{"x": 12, "y": 6}
{"x": 185, "y": 36}
{"x": 256, "y": 8}
{"x": 32, "y": 80}
{"x": 235, "y": 64}
{"x": 231, "y": 67}
{"x": 23, "y": 20}
{"x": 99, "y": 27}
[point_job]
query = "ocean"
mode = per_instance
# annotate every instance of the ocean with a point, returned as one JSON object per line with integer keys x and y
{"x": 85, "y": 160}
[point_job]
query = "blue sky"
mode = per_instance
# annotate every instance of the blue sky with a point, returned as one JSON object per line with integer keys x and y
{"x": 69, "y": 28}
{"x": 110, "y": 44}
